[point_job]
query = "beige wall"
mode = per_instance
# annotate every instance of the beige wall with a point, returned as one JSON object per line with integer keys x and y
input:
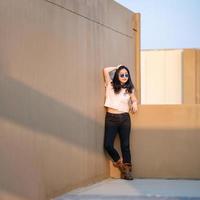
{"x": 191, "y": 76}
{"x": 161, "y": 76}
{"x": 137, "y": 55}
{"x": 165, "y": 142}
{"x": 51, "y": 92}
{"x": 170, "y": 76}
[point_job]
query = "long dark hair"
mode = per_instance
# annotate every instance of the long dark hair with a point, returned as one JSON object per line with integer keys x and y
{"x": 117, "y": 84}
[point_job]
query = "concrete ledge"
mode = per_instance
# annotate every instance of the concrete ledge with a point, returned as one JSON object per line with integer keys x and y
{"x": 166, "y": 142}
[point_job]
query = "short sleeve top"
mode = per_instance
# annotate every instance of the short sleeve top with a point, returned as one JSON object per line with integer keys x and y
{"x": 118, "y": 101}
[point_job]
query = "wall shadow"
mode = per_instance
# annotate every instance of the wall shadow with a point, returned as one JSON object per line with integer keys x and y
{"x": 36, "y": 111}
{"x": 41, "y": 114}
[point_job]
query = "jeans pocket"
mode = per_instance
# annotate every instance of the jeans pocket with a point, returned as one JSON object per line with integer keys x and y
{"x": 126, "y": 120}
{"x": 111, "y": 118}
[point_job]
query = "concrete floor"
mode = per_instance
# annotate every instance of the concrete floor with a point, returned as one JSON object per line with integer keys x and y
{"x": 138, "y": 189}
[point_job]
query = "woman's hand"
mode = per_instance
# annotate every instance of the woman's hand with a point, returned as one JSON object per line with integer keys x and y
{"x": 134, "y": 108}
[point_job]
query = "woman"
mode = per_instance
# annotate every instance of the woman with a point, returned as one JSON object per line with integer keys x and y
{"x": 120, "y": 99}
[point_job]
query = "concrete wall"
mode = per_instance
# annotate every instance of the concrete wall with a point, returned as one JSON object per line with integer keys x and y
{"x": 165, "y": 142}
{"x": 52, "y": 93}
{"x": 137, "y": 55}
{"x": 191, "y": 76}
{"x": 170, "y": 76}
{"x": 161, "y": 76}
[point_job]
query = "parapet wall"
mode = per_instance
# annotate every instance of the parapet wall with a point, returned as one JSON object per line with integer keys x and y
{"x": 165, "y": 142}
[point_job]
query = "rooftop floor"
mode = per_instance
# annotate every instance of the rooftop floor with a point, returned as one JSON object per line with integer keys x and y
{"x": 137, "y": 189}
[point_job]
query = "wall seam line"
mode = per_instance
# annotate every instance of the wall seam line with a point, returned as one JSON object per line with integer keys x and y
{"x": 92, "y": 20}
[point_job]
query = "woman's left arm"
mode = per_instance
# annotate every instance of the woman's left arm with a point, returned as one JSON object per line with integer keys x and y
{"x": 134, "y": 107}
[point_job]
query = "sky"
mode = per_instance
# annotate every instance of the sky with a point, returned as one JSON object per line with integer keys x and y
{"x": 167, "y": 24}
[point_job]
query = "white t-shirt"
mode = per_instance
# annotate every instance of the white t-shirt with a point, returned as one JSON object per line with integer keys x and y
{"x": 118, "y": 101}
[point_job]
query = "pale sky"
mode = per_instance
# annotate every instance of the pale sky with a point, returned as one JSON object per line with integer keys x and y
{"x": 167, "y": 24}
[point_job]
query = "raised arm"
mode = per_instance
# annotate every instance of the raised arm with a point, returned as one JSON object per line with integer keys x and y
{"x": 106, "y": 72}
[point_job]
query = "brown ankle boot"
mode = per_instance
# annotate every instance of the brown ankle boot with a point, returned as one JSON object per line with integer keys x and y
{"x": 119, "y": 164}
{"x": 127, "y": 174}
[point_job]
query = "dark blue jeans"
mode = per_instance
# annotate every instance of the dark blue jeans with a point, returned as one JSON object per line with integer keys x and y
{"x": 121, "y": 124}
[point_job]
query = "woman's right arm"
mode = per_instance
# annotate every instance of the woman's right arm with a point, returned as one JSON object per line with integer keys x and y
{"x": 106, "y": 72}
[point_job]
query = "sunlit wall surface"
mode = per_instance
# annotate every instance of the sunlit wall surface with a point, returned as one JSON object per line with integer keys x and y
{"x": 161, "y": 77}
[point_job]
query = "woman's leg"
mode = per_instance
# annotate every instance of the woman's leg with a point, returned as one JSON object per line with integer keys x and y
{"x": 111, "y": 129}
{"x": 124, "y": 134}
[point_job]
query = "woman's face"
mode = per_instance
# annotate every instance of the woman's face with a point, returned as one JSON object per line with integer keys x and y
{"x": 123, "y": 76}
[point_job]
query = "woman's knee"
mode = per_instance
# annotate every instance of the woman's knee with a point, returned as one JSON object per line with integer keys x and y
{"x": 108, "y": 146}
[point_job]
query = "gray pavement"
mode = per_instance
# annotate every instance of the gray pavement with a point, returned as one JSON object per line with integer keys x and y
{"x": 138, "y": 189}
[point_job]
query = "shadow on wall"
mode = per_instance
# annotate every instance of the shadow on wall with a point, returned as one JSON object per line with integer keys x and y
{"x": 43, "y": 142}
{"x": 166, "y": 152}
{"x": 32, "y": 109}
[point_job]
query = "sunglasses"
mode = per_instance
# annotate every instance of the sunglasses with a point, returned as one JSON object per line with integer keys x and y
{"x": 123, "y": 75}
